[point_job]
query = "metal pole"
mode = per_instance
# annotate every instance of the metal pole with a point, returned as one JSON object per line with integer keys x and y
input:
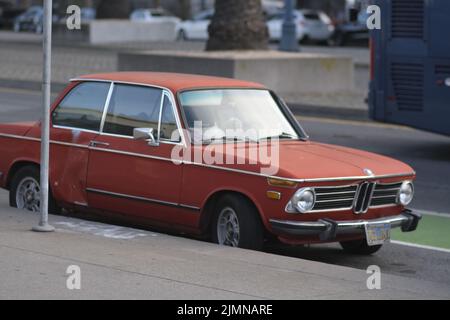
{"x": 289, "y": 40}
{"x": 45, "y": 124}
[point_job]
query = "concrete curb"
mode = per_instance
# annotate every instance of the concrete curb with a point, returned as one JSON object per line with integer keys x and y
{"x": 30, "y": 85}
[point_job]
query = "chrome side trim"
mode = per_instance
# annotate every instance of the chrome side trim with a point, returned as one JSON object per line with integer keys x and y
{"x": 13, "y": 136}
{"x": 188, "y": 207}
{"x": 81, "y": 204}
{"x": 144, "y": 199}
{"x": 74, "y": 129}
{"x": 67, "y": 144}
{"x": 334, "y": 179}
{"x": 175, "y": 162}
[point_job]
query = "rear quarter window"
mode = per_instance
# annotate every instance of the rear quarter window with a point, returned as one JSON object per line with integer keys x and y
{"x": 82, "y": 107}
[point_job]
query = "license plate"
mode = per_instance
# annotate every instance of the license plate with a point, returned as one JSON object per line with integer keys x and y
{"x": 377, "y": 234}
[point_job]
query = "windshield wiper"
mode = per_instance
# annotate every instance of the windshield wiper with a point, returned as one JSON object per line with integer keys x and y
{"x": 283, "y": 135}
{"x": 225, "y": 138}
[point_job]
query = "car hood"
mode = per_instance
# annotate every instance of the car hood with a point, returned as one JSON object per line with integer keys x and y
{"x": 311, "y": 160}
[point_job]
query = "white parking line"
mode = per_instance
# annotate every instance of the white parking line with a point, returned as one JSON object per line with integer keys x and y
{"x": 407, "y": 244}
{"x": 103, "y": 230}
{"x": 432, "y": 213}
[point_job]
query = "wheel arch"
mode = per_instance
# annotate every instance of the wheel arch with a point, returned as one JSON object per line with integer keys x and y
{"x": 15, "y": 167}
{"x": 207, "y": 209}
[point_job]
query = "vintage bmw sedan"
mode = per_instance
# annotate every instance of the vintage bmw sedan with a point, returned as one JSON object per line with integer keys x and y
{"x": 205, "y": 156}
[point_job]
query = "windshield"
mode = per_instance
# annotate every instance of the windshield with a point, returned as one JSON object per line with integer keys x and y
{"x": 234, "y": 115}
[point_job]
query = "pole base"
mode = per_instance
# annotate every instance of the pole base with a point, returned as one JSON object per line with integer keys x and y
{"x": 43, "y": 228}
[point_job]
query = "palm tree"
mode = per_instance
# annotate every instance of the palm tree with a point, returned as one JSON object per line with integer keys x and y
{"x": 113, "y": 9}
{"x": 238, "y": 25}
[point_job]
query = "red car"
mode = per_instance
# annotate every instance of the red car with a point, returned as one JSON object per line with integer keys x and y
{"x": 205, "y": 156}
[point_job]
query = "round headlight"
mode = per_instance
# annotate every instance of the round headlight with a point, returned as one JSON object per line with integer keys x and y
{"x": 304, "y": 200}
{"x": 406, "y": 193}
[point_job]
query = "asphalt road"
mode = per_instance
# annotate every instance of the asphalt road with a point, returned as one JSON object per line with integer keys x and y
{"x": 429, "y": 154}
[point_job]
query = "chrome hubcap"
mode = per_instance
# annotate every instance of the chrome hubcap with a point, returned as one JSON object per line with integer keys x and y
{"x": 228, "y": 228}
{"x": 28, "y": 196}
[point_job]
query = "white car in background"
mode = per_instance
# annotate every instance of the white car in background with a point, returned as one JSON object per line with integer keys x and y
{"x": 275, "y": 26}
{"x": 151, "y": 15}
{"x": 311, "y": 25}
{"x": 318, "y": 25}
{"x": 196, "y": 28}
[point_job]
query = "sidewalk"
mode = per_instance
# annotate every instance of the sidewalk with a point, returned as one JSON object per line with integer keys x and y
{"x": 123, "y": 263}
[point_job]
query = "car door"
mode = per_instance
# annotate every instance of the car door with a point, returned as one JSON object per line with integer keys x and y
{"x": 129, "y": 176}
{"x": 75, "y": 123}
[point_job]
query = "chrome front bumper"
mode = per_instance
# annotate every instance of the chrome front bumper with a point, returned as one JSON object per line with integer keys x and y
{"x": 329, "y": 230}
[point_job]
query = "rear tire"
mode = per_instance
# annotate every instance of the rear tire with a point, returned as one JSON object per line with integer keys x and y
{"x": 359, "y": 247}
{"x": 25, "y": 191}
{"x": 236, "y": 223}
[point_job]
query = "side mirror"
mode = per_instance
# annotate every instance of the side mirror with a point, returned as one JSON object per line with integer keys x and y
{"x": 146, "y": 134}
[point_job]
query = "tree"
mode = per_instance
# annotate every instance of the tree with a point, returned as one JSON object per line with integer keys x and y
{"x": 238, "y": 25}
{"x": 113, "y": 9}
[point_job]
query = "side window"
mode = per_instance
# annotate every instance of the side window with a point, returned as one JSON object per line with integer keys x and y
{"x": 169, "y": 129}
{"x": 82, "y": 107}
{"x": 132, "y": 107}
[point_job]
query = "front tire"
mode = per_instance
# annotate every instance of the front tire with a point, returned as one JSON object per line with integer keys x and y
{"x": 236, "y": 223}
{"x": 359, "y": 247}
{"x": 25, "y": 190}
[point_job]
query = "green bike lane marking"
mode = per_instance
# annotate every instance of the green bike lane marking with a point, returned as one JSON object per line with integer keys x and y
{"x": 433, "y": 230}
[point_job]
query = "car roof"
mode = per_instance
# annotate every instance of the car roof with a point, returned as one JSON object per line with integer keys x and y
{"x": 173, "y": 81}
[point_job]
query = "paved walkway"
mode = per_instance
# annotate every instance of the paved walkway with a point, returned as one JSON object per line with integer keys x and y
{"x": 123, "y": 263}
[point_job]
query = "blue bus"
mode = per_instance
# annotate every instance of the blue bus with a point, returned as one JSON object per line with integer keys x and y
{"x": 410, "y": 65}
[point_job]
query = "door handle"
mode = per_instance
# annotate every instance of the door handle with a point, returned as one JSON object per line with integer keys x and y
{"x": 98, "y": 144}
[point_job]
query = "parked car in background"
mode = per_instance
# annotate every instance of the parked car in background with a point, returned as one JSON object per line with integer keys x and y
{"x": 275, "y": 25}
{"x": 155, "y": 14}
{"x": 311, "y": 25}
{"x": 138, "y": 145}
{"x": 354, "y": 31}
{"x": 196, "y": 28}
{"x": 30, "y": 20}
{"x": 318, "y": 26}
